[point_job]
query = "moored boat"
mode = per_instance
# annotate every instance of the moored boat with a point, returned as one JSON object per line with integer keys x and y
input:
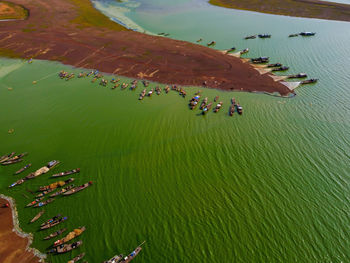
{"x": 115, "y": 259}
{"x": 232, "y": 110}
{"x": 35, "y": 201}
{"x": 145, "y": 83}
{"x": 260, "y": 60}
{"x": 149, "y": 94}
{"x": 207, "y": 108}
{"x": 78, "y": 188}
{"x": 264, "y": 36}
{"x": 212, "y": 43}
{"x": 12, "y": 162}
{"x": 71, "y": 235}
{"x": 65, "y": 189}
{"x": 194, "y": 101}
{"x": 297, "y": 76}
{"x": 55, "y": 185}
{"x": 244, "y": 51}
{"x": 37, "y": 216}
{"x": 133, "y": 254}
{"x": 307, "y": 34}
{"x": 43, "y": 170}
{"x": 283, "y": 68}
{"x": 309, "y": 81}
{"x": 293, "y": 35}
{"x": 66, "y": 247}
{"x": 218, "y": 107}
{"x": 53, "y": 223}
{"x": 48, "y": 201}
{"x": 77, "y": 258}
{"x": 16, "y": 157}
{"x": 216, "y": 98}
{"x": 74, "y": 171}
{"x": 275, "y": 65}
{"x": 6, "y": 157}
{"x": 199, "y": 40}
{"x": 230, "y": 50}
{"x": 239, "y": 109}
{"x": 23, "y": 169}
{"x": 55, "y": 234}
{"x": 204, "y": 102}
{"x": 250, "y": 37}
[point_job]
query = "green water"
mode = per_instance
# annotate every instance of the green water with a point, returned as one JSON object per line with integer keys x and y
{"x": 269, "y": 186}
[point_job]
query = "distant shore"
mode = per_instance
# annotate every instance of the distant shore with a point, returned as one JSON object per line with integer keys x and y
{"x": 298, "y": 8}
{"x": 14, "y": 244}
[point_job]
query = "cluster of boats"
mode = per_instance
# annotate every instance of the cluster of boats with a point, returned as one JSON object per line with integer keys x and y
{"x": 260, "y": 36}
{"x": 12, "y": 158}
{"x": 291, "y": 35}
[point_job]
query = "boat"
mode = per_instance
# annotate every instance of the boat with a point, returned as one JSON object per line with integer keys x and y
{"x": 74, "y": 171}
{"x": 37, "y": 200}
{"x": 53, "y": 223}
{"x": 48, "y": 201}
{"x": 297, "y": 76}
{"x": 18, "y": 182}
{"x": 233, "y": 101}
{"x": 158, "y": 90}
{"x": 37, "y": 216}
{"x": 56, "y": 217}
{"x": 218, "y": 107}
{"x": 199, "y": 40}
{"x": 309, "y": 81}
{"x": 55, "y": 234}
{"x": 293, "y": 35}
{"x": 71, "y": 235}
{"x": 167, "y": 89}
{"x": 260, "y": 60}
{"x": 115, "y": 86}
{"x": 6, "y": 157}
{"x": 43, "y": 170}
{"x": 66, "y": 247}
{"x": 204, "y": 102}
{"x": 145, "y": 83}
{"x": 250, "y": 37}
{"x": 12, "y": 162}
{"x": 149, "y": 94}
{"x": 133, "y": 254}
{"x": 63, "y": 190}
{"x": 23, "y": 169}
{"x": 232, "y": 110}
{"x": 307, "y": 34}
{"x": 244, "y": 51}
{"x": 77, "y": 258}
{"x": 283, "y": 68}
{"x": 230, "y": 50}
{"x": 182, "y": 93}
{"x": 19, "y": 156}
{"x": 207, "y": 108}
{"x": 78, "y": 188}
{"x": 264, "y": 36}
{"x": 194, "y": 101}
{"x": 124, "y": 86}
{"x": 142, "y": 94}
{"x": 56, "y": 184}
{"x": 212, "y": 43}
{"x": 115, "y": 259}
{"x": 275, "y": 65}
{"x": 239, "y": 109}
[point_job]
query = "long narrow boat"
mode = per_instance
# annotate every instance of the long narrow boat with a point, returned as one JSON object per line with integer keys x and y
{"x": 53, "y": 223}
{"x": 66, "y": 247}
{"x": 204, "y": 102}
{"x": 218, "y": 107}
{"x": 63, "y": 190}
{"x": 55, "y": 185}
{"x": 55, "y": 234}
{"x": 23, "y": 169}
{"x": 207, "y": 108}
{"x": 37, "y": 200}
{"x": 48, "y": 201}
{"x": 74, "y": 171}
{"x": 71, "y": 235}
{"x": 6, "y": 157}
{"x": 56, "y": 217}
{"x": 78, "y": 188}
{"x": 232, "y": 110}
{"x": 133, "y": 254}
{"x": 19, "y": 156}
{"x": 12, "y": 162}
{"x": 37, "y": 216}
{"x": 115, "y": 259}
{"x": 77, "y": 258}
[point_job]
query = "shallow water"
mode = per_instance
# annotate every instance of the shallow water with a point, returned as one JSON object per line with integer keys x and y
{"x": 268, "y": 186}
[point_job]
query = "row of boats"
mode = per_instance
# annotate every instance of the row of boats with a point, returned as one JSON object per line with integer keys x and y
{"x": 12, "y": 158}
{"x": 305, "y": 34}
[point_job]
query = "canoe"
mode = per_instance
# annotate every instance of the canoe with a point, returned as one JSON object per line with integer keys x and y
{"x": 77, "y": 258}
{"x": 207, "y": 108}
{"x": 78, "y": 188}
{"x": 55, "y": 234}
{"x": 54, "y": 223}
{"x": 19, "y": 156}
{"x": 71, "y": 235}
{"x": 77, "y": 170}
{"x": 62, "y": 190}
{"x": 133, "y": 254}
{"x": 12, "y": 162}
{"x": 205, "y": 101}
{"x": 55, "y": 185}
{"x": 48, "y": 201}
{"x": 43, "y": 170}
{"x": 37, "y": 216}
{"x": 6, "y": 157}
{"x": 115, "y": 259}
{"x": 35, "y": 201}
{"x": 66, "y": 247}
{"x": 23, "y": 169}
{"x": 232, "y": 110}
{"x": 218, "y": 107}
{"x": 51, "y": 220}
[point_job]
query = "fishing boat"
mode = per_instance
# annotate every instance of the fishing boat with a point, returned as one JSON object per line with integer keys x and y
{"x": 283, "y": 68}
{"x": 78, "y": 188}
{"x": 37, "y": 216}
{"x": 56, "y": 217}
{"x": 63, "y": 190}
{"x": 115, "y": 86}
{"x": 115, "y": 80}
{"x": 23, "y": 169}
{"x": 212, "y": 43}
{"x": 56, "y": 184}
{"x": 124, "y": 86}
{"x": 204, "y": 102}
{"x": 244, "y": 51}
{"x": 218, "y": 107}
{"x": 55, "y": 234}
{"x": 194, "y": 101}
{"x": 66, "y": 247}
{"x": 71, "y": 235}
{"x": 264, "y": 36}
{"x": 207, "y": 108}
{"x": 142, "y": 94}
{"x": 260, "y": 60}
{"x": 233, "y": 101}
{"x": 18, "y": 182}
{"x": 250, "y": 37}
{"x": 232, "y": 110}
{"x": 149, "y": 94}
{"x": 182, "y": 93}
{"x": 77, "y": 258}
{"x": 309, "y": 81}
{"x": 145, "y": 83}
{"x": 297, "y": 76}
{"x": 293, "y": 35}
{"x": 37, "y": 200}
{"x": 74, "y": 171}
{"x": 48, "y": 201}
{"x": 275, "y": 65}
{"x": 133, "y": 254}
{"x": 231, "y": 50}
{"x": 158, "y": 90}
{"x": 19, "y": 156}
{"x": 53, "y": 223}
{"x": 12, "y": 162}
{"x": 199, "y": 40}
{"x": 6, "y": 157}
{"x": 43, "y": 170}
{"x": 115, "y": 259}
{"x": 239, "y": 109}
{"x": 307, "y": 34}
{"x": 167, "y": 89}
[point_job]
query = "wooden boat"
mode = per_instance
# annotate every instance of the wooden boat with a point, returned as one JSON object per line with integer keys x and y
{"x": 37, "y": 216}
{"x": 12, "y": 162}
{"x": 53, "y": 223}
{"x": 74, "y": 171}
{"x": 239, "y": 109}
{"x": 244, "y": 51}
{"x": 115, "y": 259}
{"x": 133, "y": 254}
{"x": 43, "y": 170}
{"x": 56, "y": 217}
{"x": 77, "y": 258}
{"x": 309, "y": 81}
{"x": 233, "y": 101}
{"x": 307, "y": 34}
{"x": 78, "y": 188}
{"x": 63, "y": 190}
{"x": 212, "y": 43}
{"x": 66, "y": 247}
{"x": 124, "y": 86}
{"x": 230, "y": 50}
{"x": 115, "y": 80}
{"x": 35, "y": 201}
{"x": 283, "y": 68}
{"x": 194, "y": 101}
{"x": 18, "y": 182}
{"x": 19, "y": 156}
{"x": 6, "y": 157}
{"x": 71, "y": 235}
{"x": 55, "y": 234}
{"x": 232, "y": 109}
{"x": 297, "y": 76}
{"x": 115, "y": 86}
{"x": 23, "y": 169}
{"x": 142, "y": 94}
{"x": 167, "y": 89}
{"x": 275, "y": 65}
{"x": 55, "y": 185}
{"x": 218, "y": 107}
{"x": 199, "y": 40}
{"x": 293, "y": 35}
{"x": 48, "y": 201}
{"x": 204, "y": 102}
{"x": 260, "y": 60}
{"x": 145, "y": 83}
{"x": 207, "y": 108}
{"x": 158, "y": 90}
{"x": 250, "y": 37}
{"x": 264, "y": 36}
{"x": 149, "y": 94}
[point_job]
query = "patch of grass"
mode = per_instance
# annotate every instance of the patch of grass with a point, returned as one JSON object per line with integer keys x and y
{"x": 10, "y": 10}
{"x": 90, "y": 17}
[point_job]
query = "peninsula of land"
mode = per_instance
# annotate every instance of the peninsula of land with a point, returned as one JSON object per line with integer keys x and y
{"x": 299, "y": 8}
{"x": 75, "y": 33}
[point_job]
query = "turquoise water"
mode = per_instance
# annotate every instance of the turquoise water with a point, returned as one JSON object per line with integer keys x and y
{"x": 268, "y": 186}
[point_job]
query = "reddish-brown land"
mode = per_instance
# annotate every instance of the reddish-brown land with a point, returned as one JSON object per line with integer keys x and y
{"x": 73, "y": 32}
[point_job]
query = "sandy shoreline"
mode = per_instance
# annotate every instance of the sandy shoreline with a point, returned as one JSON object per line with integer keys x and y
{"x": 14, "y": 243}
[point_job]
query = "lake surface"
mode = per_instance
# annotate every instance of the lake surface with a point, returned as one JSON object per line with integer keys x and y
{"x": 271, "y": 185}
